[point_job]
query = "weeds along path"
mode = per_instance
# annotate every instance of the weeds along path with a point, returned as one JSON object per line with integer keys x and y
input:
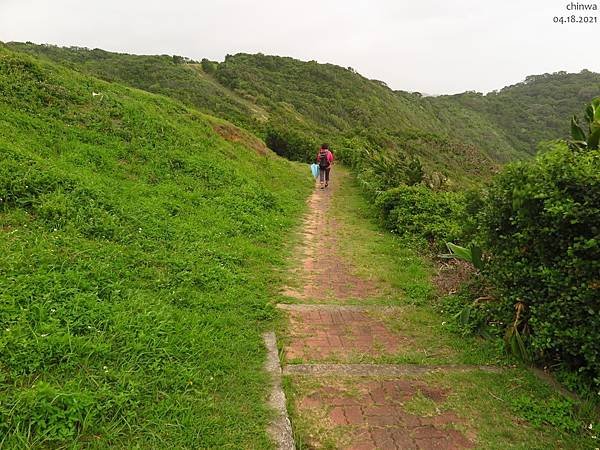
{"x": 367, "y": 363}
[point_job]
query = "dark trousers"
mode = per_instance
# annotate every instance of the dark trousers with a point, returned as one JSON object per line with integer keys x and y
{"x": 324, "y": 174}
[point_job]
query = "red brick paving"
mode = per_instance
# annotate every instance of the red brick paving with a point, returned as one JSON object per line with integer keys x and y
{"x": 324, "y": 273}
{"x": 321, "y": 333}
{"x": 371, "y": 415}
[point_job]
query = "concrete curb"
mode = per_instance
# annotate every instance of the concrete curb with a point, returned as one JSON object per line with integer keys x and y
{"x": 386, "y": 370}
{"x": 280, "y": 427}
{"x": 334, "y": 307}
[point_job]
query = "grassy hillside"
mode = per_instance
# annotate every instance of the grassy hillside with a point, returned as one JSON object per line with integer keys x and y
{"x": 297, "y": 104}
{"x": 172, "y": 76}
{"x": 135, "y": 254}
{"x": 305, "y": 103}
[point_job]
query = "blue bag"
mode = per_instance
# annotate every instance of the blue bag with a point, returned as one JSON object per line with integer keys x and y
{"x": 314, "y": 168}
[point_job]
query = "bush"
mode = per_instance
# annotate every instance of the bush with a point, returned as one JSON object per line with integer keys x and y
{"x": 209, "y": 67}
{"x": 419, "y": 211}
{"x": 290, "y": 144}
{"x": 541, "y": 225}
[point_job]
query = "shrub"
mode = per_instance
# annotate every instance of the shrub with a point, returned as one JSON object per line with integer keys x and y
{"x": 419, "y": 211}
{"x": 541, "y": 225}
{"x": 209, "y": 67}
{"x": 290, "y": 144}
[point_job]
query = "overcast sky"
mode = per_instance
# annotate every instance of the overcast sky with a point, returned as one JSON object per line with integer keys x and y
{"x": 430, "y": 46}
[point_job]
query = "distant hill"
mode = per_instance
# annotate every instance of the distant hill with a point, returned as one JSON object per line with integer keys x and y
{"x": 304, "y": 103}
{"x": 537, "y": 109}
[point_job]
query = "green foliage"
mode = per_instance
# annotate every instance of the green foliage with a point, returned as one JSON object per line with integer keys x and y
{"x": 380, "y": 170}
{"x": 51, "y": 414}
{"x": 419, "y": 211}
{"x": 137, "y": 250}
{"x": 463, "y": 135}
{"x": 210, "y": 67}
{"x": 581, "y": 141}
{"x": 518, "y": 334}
{"x": 290, "y": 144}
{"x": 555, "y": 411}
{"x": 322, "y": 102}
{"x": 73, "y": 148}
{"x": 472, "y": 254}
{"x": 540, "y": 227}
{"x": 337, "y": 104}
{"x": 414, "y": 172}
{"x": 174, "y": 76}
{"x": 538, "y": 109}
{"x": 471, "y": 316}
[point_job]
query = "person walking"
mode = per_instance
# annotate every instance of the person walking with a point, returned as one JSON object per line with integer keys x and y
{"x": 325, "y": 161}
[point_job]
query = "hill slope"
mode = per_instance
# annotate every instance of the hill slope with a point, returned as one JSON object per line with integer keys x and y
{"x": 307, "y": 102}
{"x": 135, "y": 248}
{"x": 171, "y": 76}
{"x": 303, "y": 103}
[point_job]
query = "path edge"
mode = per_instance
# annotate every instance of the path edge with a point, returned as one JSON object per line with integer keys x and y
{"x": 381, "y": 370}
{"x": 280, "y": 428}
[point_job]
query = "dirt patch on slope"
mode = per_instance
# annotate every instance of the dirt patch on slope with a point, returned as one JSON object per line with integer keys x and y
{"x": 234, "y": 134}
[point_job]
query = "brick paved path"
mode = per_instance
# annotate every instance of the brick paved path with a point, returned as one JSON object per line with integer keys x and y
{"x": 349, "y": 411}
{"x": 316, "y": 333}
{"x": 324, "y": 275}
{"x": 372, "y": 415}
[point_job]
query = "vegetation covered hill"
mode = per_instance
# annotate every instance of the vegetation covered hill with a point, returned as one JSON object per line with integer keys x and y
{"x": 135, "y": 253}
{"x": 294, "y": 105}
{"x": 535, "y": 110}
{"x": 173, "y": 76}
{"x": 327, "y": 102}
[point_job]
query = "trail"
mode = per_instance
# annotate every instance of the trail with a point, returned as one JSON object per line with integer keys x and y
{"x": 368, "y": 363}
{"x": 349, "y": 405}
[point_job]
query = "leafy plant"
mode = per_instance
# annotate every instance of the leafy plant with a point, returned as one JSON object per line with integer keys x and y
{"x": 518, "y": 333}
{"x": 420, "y": 212}
{"x": 473, "y": 254}
{"x": 582, "y": 140}
{"x": 556, "y": 412}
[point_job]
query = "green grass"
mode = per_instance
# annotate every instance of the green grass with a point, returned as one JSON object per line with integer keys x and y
{"x": 377, "y": 253}
{"x": 137, "y": 261}
{"x": 496, "y": 405}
